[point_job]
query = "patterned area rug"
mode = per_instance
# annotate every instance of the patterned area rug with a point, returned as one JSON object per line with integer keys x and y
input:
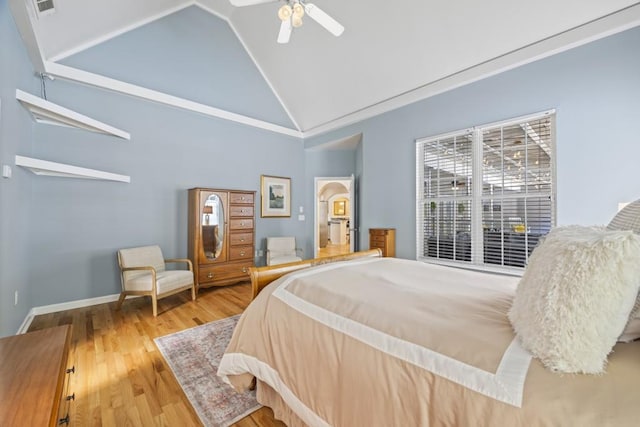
{"x": 194, "y": 355}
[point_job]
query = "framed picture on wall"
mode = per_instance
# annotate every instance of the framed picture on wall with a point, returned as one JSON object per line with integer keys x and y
{"x": 275, "y": 192}
{"x": 339, "y": 208}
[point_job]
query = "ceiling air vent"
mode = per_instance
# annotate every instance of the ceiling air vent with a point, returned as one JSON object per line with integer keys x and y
{"x": 44, "y": 7}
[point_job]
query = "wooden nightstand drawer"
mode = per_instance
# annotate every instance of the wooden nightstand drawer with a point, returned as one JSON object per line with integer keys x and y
{"x": 378, "y": 240}
{"x": 383, "y": 239}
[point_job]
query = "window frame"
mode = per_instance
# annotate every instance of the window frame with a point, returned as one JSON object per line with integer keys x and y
{"x": 477, "y": 196}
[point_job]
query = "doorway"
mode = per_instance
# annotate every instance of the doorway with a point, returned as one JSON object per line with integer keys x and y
{"x": 334, "y": 216}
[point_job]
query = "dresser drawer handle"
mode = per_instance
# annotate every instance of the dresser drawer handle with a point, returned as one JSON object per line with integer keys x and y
{"x": 242, "y": 253}
{"x": 242, "y": 240}
{"x": 71, "y": 370}
{"x": 241, "y": 223}
{"x": 210, "y": 275}
{"x": 64, "y": 420}
{"x": 71, "y": 397}
{"x": 244, "y": 269}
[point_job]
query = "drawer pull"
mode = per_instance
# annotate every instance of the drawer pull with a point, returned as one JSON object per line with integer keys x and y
{"x": 242, "y": 253}
{"x": 71, "y": 397}
{"x": 244, "y": 269}
{"x": 241, "y": 223}
{"x": 242, "y": 240}
{"x": 64, "y": 420}
{"x": 210, "y": 275}
{"x": 71, "y": 370}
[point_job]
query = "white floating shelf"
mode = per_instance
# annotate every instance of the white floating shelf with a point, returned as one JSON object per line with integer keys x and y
{"x": 44, "y": 111}
{"x": 43, "y": 167}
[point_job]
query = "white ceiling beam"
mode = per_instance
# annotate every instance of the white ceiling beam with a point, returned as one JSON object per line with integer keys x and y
{"x": 92, "y": 79}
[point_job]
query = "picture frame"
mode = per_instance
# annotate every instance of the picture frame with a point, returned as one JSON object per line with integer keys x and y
{"x": 275, "y": 194}
{"x": 339, "y": 208}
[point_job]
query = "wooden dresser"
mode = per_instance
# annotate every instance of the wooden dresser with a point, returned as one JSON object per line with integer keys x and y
{"x": 34, "y": 378}
{"x": 221, "y": 235}
{"x": 383, "y": 239}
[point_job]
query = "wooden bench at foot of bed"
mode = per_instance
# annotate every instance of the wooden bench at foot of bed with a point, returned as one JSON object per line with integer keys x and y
{"x": 262, "y": 276}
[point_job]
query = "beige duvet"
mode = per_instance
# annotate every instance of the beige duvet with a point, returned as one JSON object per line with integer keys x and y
{"x": 389, "y": 342}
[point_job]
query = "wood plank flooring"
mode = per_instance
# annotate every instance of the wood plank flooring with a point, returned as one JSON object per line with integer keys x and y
{"x": 121, "y": 378}
{"x": 331, "y": 250}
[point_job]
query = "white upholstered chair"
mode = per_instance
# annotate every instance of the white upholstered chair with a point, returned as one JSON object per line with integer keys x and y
{"x": 143, "y": 272}
{"x": 281, "y": 250}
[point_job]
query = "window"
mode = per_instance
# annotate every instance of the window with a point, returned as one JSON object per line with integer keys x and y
{"x": 486, "y": 195}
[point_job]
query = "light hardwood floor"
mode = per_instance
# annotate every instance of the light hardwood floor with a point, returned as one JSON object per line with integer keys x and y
{"x": 121, "y": 378}
{"x": 331, "y": 250}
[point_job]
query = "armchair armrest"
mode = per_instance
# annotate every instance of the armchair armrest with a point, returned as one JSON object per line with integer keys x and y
{"x": 145, "y": 267}
{"x": 186, "y": 260}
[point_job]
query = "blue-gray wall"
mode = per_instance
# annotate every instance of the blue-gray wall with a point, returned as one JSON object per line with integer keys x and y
{"x": 15, "y": 193}
{"x": 595, "y": 90}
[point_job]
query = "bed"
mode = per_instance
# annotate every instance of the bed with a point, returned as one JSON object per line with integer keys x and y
{"x": 373, "y": 341}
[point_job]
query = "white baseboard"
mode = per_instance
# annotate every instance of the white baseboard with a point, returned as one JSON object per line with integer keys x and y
{"x": 45, "y": 309}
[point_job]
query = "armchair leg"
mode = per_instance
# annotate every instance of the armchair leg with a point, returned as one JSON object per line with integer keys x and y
{"x": 193, "y": 293}
{"x": 121, "y": 300}
{"x": 154, "y": 303}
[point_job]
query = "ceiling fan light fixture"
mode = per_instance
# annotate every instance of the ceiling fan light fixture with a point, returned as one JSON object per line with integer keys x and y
{"x": 298, "y": 10}
{"x": 285, "y": 12}
{"x": 296, "y": 21}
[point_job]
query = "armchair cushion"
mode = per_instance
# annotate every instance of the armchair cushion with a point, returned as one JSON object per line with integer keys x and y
{"x": 141, "y": 257}
{"x": 281, "y": 250}
{"x": 167, "y": 280}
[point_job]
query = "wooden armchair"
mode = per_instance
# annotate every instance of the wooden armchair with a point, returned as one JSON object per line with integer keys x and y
{"x": 143, "y": 272}
{"x": 282, "y": 250}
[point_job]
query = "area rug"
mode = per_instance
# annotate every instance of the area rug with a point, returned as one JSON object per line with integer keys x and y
{"x": 194, "y": 355}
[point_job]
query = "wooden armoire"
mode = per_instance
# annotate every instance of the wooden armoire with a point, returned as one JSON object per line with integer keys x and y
{"x": 221, "y": 235}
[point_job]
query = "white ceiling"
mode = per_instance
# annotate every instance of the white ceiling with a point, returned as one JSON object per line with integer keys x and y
{"x": 390, "y": 53}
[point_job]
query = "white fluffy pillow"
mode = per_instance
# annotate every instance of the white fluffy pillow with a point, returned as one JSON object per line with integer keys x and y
{"x": 575, "y": 296}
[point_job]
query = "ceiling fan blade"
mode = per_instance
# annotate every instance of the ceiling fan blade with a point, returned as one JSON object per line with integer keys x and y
{"x": 323, "y": 19}
{"x": 285, "y": 32}
{"x": 241, "y": 3}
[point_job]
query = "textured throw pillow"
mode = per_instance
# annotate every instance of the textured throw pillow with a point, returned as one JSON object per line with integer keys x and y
{"x": 629, "y": 219}
{"x": 575, "y": 296}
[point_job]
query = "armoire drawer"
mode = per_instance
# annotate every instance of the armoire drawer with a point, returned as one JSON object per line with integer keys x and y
{"x": 241, "y": 239}
{"x": 241, "y": 224}
{"x": 236, "y": 198}
{"x": 240, "y": 252}
{"x": 235, "y": 211}
{"x": 210, "y": 273}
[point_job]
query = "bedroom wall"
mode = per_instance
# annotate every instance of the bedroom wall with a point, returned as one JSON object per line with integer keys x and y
{"x": 15, "y": 193}
{"x": 595, "y": 90}
{"x": 82, "y": 223}
{"x": 62, "y": 234}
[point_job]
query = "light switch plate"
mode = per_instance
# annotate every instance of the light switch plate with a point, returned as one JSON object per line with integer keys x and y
{"x": 300, "y": 217}
{"x": 6, "y": 171}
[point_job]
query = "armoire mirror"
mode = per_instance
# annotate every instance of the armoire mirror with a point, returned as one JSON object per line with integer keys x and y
{"x": 212, "y": 226}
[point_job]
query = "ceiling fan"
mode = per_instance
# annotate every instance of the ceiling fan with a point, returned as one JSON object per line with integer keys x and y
{"x": 291, "y": 14}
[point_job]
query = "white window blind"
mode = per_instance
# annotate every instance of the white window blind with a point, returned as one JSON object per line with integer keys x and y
{"x": 486, "y": 195}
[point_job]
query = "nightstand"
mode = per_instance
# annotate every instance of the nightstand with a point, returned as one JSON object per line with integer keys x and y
{"x": 383, "y": 239}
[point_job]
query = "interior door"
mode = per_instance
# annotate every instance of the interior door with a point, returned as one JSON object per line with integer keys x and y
{"x": 320, "y": 216}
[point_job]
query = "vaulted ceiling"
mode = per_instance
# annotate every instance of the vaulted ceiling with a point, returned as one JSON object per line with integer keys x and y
{"x": 391, "y": 53}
